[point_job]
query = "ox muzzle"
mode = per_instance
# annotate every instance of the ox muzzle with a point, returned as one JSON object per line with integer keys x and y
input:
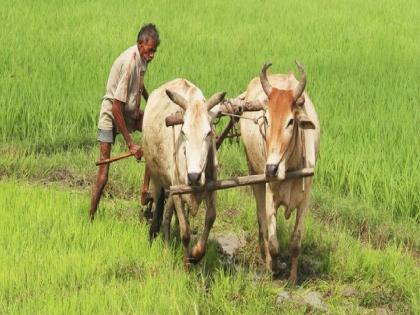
{"x": 194, "y": 178}
{"x": 276, "y": 170}
{"x": 271, "y": 170}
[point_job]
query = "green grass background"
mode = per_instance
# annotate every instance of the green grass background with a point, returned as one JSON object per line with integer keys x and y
{"x": 363, "y": 68}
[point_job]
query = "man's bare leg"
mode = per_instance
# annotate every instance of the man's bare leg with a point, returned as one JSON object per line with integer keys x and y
{"x": 101, "y": 179}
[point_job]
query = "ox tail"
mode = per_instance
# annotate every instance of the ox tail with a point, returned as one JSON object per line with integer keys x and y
{"x": 157, "y": 216}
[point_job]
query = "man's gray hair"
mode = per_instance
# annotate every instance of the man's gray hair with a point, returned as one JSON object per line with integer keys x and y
{"x": 148, "y": 31}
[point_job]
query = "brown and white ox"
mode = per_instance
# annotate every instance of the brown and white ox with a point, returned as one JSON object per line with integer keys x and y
{"x": 182, "y": 154}
{"x": 289, "y": 140}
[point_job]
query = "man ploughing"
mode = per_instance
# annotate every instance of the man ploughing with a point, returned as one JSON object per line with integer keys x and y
{"x": 120, "y": 109}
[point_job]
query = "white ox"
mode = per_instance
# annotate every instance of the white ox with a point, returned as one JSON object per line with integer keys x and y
{"x": 182, "y": 154}
{"x": 288, "y": 141}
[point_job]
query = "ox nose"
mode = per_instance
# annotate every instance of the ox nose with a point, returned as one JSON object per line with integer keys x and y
{"x": 271, "y": 170}
{"x": 194, "y": 178}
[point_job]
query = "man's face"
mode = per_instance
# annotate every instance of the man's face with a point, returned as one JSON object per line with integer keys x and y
{"x": 147, "y": 49}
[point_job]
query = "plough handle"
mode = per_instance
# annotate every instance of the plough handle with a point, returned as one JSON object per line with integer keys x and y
{"x": 113, "y": 159}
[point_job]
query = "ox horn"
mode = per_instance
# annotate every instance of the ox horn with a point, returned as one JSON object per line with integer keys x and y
{"x": 177, "y": 99}
{"x": 264, "y": 80}
{"x": 215, "y": 99}
{"x": 302, "y": 83}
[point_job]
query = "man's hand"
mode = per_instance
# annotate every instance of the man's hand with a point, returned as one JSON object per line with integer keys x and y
{"x": 136, "y": 151}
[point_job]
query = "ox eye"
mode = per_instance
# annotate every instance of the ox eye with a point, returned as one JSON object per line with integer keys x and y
{"x": 182, "y": 133}
{"x": 290, "y": 123}
{"x": 208, "y": 134}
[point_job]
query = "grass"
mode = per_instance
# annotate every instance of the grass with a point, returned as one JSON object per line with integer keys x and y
{"x": 54, "y": 261}
{"x": 362, "y": 64}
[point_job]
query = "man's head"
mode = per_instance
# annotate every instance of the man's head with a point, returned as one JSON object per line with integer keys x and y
{"x": 148, "y": 41}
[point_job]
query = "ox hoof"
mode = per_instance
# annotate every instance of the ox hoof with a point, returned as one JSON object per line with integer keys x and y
{"x": 197, "y": 252}
{"x": 282, "y": 266}
{"x": 146, "y": 197}
{"x": 192, "y": 260}
{"x": 148, "y": 214}
{"x": 277, "y": 265}
{"x": 287, "y": 213}
{"x": 279, "y": 270}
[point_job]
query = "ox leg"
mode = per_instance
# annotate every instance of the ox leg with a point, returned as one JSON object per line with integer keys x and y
{"x": 259, "y": 193}
{"x": 157, "y": 216}
{"x": 167, "y": 219}
{"x": 200, "y": 248}
{"x": 183, "y": 228}
{"x": 145, "y": 196}
{"x": 296, "y": 238}
{"x": 273, "y": 244}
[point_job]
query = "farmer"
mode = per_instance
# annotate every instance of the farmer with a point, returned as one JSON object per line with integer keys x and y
{"x": 120, "y": 109}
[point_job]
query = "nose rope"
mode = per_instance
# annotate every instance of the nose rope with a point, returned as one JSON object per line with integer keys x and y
{"x": 203, "y": 160}
{"x": 302, "y": 140}
{"x": 264, "y": 124}
{"x": 175, "y": 157}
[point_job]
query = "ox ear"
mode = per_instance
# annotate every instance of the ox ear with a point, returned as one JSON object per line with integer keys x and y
{"x": 177, "y": 99}
{"x": 303, "y": 120}
{"x": 215, "y": 99}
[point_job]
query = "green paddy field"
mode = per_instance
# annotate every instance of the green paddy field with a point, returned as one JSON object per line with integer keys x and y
{"x": 362, "y": 60}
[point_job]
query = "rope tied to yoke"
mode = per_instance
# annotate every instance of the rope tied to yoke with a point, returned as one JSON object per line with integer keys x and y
{"x": 234, "y": 109}
{"x": 237, "y": 112}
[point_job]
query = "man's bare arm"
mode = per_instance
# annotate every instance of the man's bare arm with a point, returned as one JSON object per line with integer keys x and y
{"x": 122, "y": 127}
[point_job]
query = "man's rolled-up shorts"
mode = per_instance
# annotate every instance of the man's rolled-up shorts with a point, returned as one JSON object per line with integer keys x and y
{"x": 107, "y": 136}
{"x": 107, "y": 129}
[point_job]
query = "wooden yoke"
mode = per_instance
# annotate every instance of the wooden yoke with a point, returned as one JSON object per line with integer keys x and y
{"x": 233, "y": 106}
{"x": 236, "y": 182}
{"x": 174, "y": 119}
